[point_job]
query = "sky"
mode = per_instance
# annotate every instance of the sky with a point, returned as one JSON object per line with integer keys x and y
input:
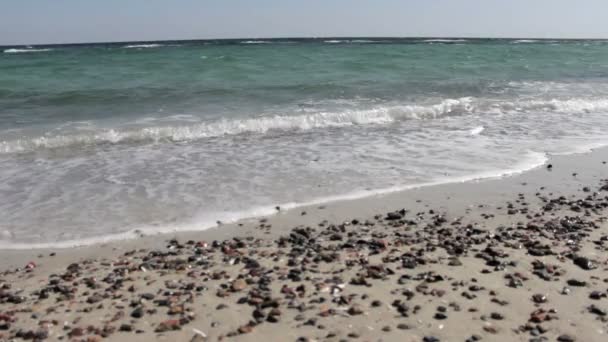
{"x": 76, "y": 21}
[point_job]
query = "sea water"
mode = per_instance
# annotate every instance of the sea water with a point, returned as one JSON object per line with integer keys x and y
{"x": 101, "y": 141}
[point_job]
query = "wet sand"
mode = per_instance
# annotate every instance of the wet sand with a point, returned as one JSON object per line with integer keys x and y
{"x": 520, "y": 258}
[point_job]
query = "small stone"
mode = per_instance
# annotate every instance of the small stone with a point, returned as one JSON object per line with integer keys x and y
{"x": 597, "y": 295}
{"x": 138, "y": 312}
{"x": 565, "y": 338}
{"x": 394, "y": 216}
{"x": 176, "y": 310}
{"x": 76, "y": 332}
{"x": 454, "y": 262}
{"x": 355, "y": 310}
{"x": 147, "y": 296}
{"x": 440, "y": 315}
{"x": 490, "y": 329}
{"x": 94, "y": 298}
{"x": 585, "y": 263}
{"x": 239, "y": 285}
{"x": 577, "y": 283}
{"x": 172, "y": 324}
{"x": 539, "y": 298}
{"x": 41, "y": 334}
{"x": 245, "y": 329}
{"x": 598, "y": 311}
{"x": 497, "y": 316}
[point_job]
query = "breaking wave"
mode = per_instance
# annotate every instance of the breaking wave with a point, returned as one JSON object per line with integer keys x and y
{"x": 142, "y": 46}
{"x": 524, "y": 41}
{"x": 26, "y": 50}
{"x": 255, "y": 42}
{"x": 445, "y": 40}
{"x": 380, "y": 115}
{"x": 375, "y": 116}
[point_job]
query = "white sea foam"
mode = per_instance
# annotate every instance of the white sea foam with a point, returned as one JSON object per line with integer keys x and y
{"x": 142, "y": 46}
{"x": 531, "y": 161}
{"x": 445, "y": 40}
{"x": 26, "y": 50}
{"x": 476, "y": 130}
{"x": 524, "y": 41}
{"x": 335, "y": 41}
{"x": 374, "y": 116}
{"x": 380, "y": 115}
{"x": 566, "y": 106}
{"x": 255, "y": 42}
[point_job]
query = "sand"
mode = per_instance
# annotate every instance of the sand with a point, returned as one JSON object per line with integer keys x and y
{"x": 517, "y": 258}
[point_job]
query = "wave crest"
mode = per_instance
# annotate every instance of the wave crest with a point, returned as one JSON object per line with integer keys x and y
{"x": 142, "y": 46}
{"x": 260, "y": 125}
{"x": 445, "y": 40}
{"x": 26, "y": 50}
{"x": 524, "y": 41}
{"x": 380, "y": 115}
{"x": 255, "y": 42}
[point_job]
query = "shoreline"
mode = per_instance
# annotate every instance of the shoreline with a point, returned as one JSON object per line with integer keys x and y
{"x": 372, "y": 200}
{"x": 450, "y": 261}
{"x": 267, "y": 212}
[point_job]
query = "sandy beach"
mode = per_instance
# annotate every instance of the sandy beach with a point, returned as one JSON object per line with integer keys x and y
{"x": 519, "y": 258}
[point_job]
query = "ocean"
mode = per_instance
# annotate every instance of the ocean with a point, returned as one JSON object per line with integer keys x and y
{"x": 105, "y": 141}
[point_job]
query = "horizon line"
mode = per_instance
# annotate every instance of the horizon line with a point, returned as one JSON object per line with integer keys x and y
{"x": 288, "y": 37}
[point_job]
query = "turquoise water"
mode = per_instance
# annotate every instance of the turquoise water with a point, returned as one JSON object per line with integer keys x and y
{"x": 97, "y": 141}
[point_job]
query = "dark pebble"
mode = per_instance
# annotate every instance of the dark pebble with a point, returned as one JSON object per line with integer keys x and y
{"x": 576, "y": 282}
{"x": 126, "y": 328}
{"x": 430, "y": 339}
{"x": 138, "y": 312}
{"x": 565, "y": 338}
{"x": 440, "y": 315}
{"x": 497, "y": 316}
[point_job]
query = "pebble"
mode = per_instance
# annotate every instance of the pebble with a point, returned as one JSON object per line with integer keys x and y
{"x": 327, "y": 272}
{"x": 497, "y": 316}
{"x": 585, "y": 263}
{"x": 539, "y": 298}
{"x": 440, "y": 316}
{"x": 355, "y": 310}
{"x": 126, "y": 328}
{"x": 239, "y": 285}
{"x": 169, "y": 325}
{"x": 138, "y": 312}
{"x": 566, "y": 338}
